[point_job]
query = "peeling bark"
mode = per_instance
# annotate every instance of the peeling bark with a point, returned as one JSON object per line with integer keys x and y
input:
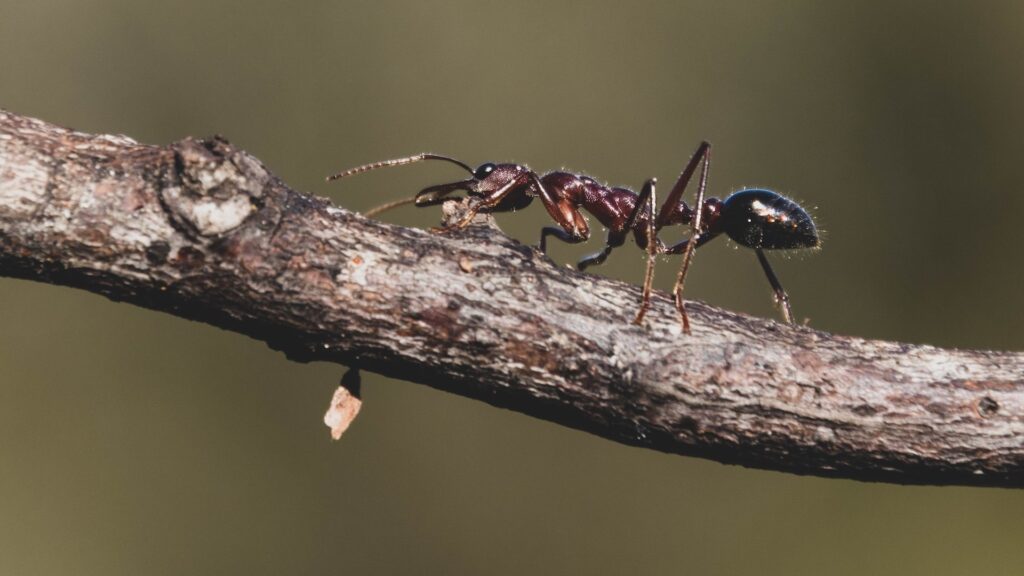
{"x": 202, "y": 230}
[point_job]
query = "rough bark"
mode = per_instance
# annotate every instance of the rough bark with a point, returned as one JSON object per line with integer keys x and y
{"x": 202, "y": 230}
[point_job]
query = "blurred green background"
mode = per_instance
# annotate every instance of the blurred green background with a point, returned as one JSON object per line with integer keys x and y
{"x": 134, "y": 442}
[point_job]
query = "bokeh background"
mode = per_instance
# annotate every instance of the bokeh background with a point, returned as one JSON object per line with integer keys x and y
{"x": 133, "y": 442}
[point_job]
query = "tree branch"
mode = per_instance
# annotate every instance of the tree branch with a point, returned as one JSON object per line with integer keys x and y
{"x": 202, "y": 230}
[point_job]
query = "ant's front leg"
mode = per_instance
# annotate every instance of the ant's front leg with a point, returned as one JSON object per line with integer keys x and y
{"x": 572, "y": 226}
{"x": 486, "y": 203}
{"x": 474, "y": 208}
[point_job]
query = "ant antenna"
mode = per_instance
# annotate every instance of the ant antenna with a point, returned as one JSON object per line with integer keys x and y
{"x": 398, "y": 162}
{"x": 385, "y": 207}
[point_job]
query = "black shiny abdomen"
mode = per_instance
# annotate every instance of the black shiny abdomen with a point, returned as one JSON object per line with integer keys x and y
{"x": 759, "y": 218}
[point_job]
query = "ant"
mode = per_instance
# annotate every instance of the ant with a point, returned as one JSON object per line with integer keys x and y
{"x": 756, "y": 218}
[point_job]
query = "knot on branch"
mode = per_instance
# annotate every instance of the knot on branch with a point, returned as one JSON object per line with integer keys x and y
{"x": 217, "y": 187}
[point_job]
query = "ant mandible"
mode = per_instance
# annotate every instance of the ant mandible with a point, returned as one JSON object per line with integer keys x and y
{"x": 756, "y": 218}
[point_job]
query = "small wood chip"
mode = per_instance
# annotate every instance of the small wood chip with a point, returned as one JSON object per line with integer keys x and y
{"x": 343, "y": 410}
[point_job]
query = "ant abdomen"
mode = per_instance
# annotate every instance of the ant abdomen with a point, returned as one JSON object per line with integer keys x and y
{"x": 758, "y": 218}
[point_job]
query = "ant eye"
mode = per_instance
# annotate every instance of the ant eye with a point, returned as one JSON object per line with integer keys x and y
{"x": 484, "y": 170}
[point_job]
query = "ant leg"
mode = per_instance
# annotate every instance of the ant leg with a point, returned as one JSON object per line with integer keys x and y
{"x": 696, "y": 233}
{"x": 562, "y": 211}
{"x": 672, "y": 200}
{"x": 617, "y": 238}
{"x": 434, "y": 195}
{"x": 427, "y": 197}
{"x": 426, "y": 202}
{"x": 677, "y": 289}
{"x": 781, "y": 299}
{"x": 557, "y": 233}
{"x": 572, "y": 227}
{"x": 647, "y": 199}
{"x": 389, "y": 206}
{"x": 681, "y": 246}
{"x": 485, "y": 203}
{"x": 614, "y": 241}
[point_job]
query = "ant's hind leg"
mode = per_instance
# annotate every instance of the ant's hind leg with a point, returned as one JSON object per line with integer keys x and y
{"x": 780, "y": 293}
{"x": 697, "y": 236}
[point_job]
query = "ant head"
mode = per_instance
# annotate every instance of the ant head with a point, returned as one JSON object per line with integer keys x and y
{"x": 487, "y": 178}
{"x": 490, "y": 176}
{"x": 759, "y": 218}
